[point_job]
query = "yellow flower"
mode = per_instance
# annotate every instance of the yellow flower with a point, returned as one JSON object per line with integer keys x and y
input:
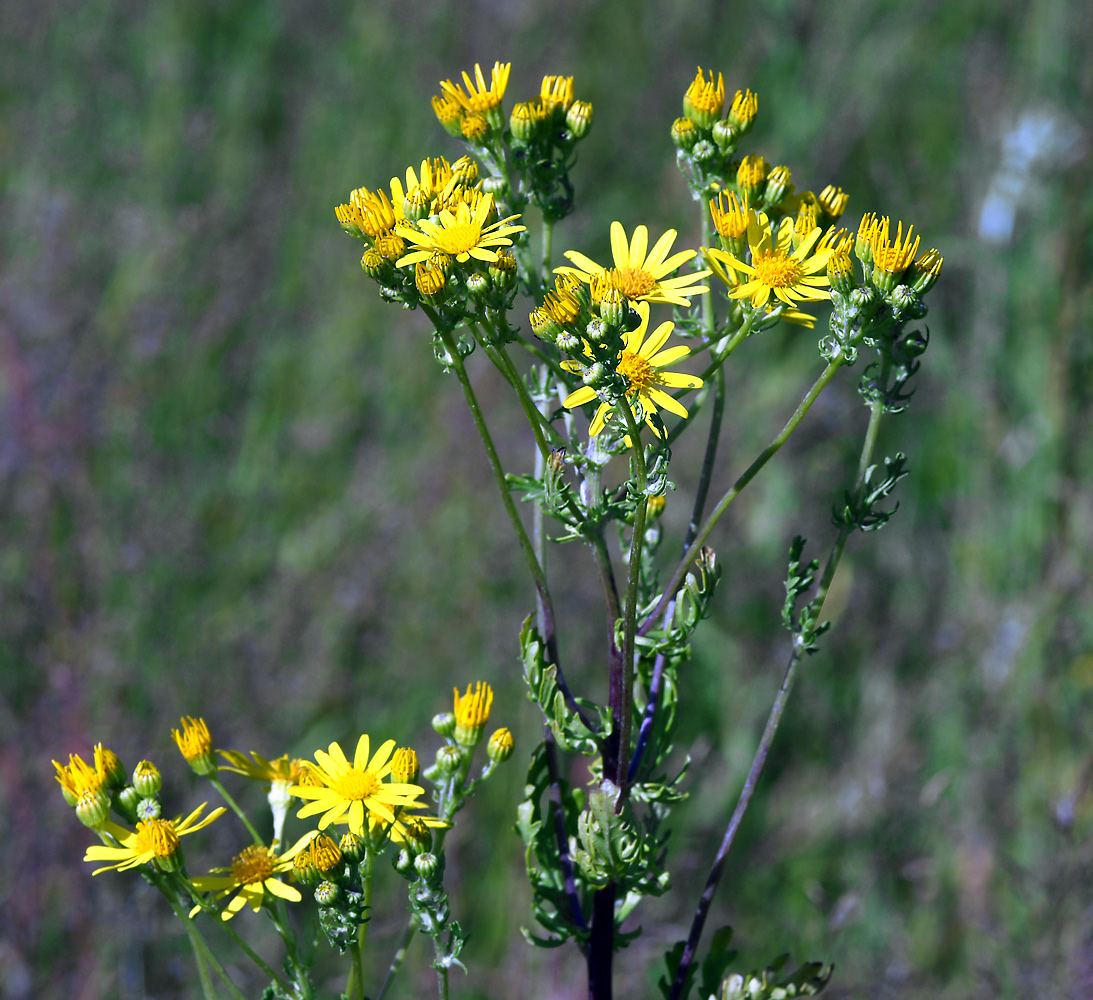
{"x": 372, "y": 213}
{"x": 196, "y": 745}
{"x": 478, "y": 97}
{"x": 640, "y": 361}
{"x": 77, "y": 778}
{"x": 253, "y": 872}
{"x": 153, "y": 840}
{"x": 892, "y": 257}
{"x": 556, "y": 92}
{"x": 404, "y": 765}
{"x": 472, "y": 712}
{"x": 461, "y": 235}
{"x": 353, "y": 790}
{"x": 637, "y": 273}
{"x": 792, "y": 275}
{"x": 703, "y": 101}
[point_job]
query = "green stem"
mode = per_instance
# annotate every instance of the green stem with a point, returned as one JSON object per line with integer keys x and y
{"x": 399, "y": 957}
{"x": 354, "y": 988}
{"x": 637, "y": 539}
{"x": 226, "y": 927}
{"x": 201, "y": 949}
{"x": 737, "y": 488}
{"x": 548, "y": 249}
{"x": 775, "y": 717}
{"x": 234, "y": 806}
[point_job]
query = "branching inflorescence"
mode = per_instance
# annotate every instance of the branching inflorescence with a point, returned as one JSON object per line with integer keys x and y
{"x": 453, "y": 240}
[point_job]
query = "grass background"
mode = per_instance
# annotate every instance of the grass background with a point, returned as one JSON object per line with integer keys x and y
{"x": 235, "y": 484}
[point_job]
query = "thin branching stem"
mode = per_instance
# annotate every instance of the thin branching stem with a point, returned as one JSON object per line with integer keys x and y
{"x": 774, "y": 718}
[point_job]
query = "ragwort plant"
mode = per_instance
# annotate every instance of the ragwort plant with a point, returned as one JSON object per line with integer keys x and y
{"x": 598, "y": 384}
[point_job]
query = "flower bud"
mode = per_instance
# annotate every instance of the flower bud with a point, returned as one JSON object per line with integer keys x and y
{"x": 146, "y": 779}
{"x": 109, "y": 767}
{"x": 327, "y": 893}
{"x": 93, "y": 808}
{"x": 375, "y": 265}
{"x": 478, "y": 285}
{"x": 703, "y": 101}
{"x": 450, "y": 113}
{"x": 779, "y": 184}
{"x": 352, "y": 846}
{"x": 578, "y": 119}
{"x": 448, "y": 760}
{"x": 428, "y": 867}
{"x": 725, "y": 135}
{"x": 126, "y": 803}
{"x": 567, "y": 342}
{"x": 196, "y": 745}
{"x": 862, "y": 298}
{"x": 840, "y": 272}
{"x": 704, "y": 151}
{"x": 472, "y": 712}
{"x": 444, "y": 723}
{"x": 500, "y": 747}
{"x": 832, "y": 201}
{"x": 742, "y": 112}
{"x": 524, "y": 122}
{"x": 475, "y": 128}
{"x": 303, "y": 868}
{"x": 404, "y": 863}
{"x": 415, "y": 206}
{"x": 149, "y": 808}
{"x": 404, "y": 766}
{"x": 751, "y": 175}
{"x": 503, "y": 270}
{"x": 924, "y": 272}
{"x": 684, "y": 134}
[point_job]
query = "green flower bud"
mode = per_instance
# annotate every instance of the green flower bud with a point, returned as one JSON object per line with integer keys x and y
{"x": 444, "y": 723}
{"x": 478, "y": 285}
{"x": 146, "y": 779}
{"x": 704, "y": 151}
{"x": 149, "y": 808}
{"x": 448, "y": 760}
{"x": 725, "y": 136}
{"x": 578, "y": 119}
{"x": 429, "y": 867}
{"x": 685, "y": 134}
{"x": 93, "y": 808}
{"x": 352, "y": 846}
{"x": 126, "y": 803}
{"x": 327, "y": 893}
{"x": 415, "y": 206}
{"x": 500, "y": 747}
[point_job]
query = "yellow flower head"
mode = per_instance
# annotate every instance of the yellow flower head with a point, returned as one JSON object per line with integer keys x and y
{"x": 792, "y": 275}
{"x": 461, "y": 235}
{"x": 751, "y": 173}
{"x": 833, "y": 201}
{"x": 253, "y": 872}
{"x": 404, "y": 765}
{"x": 78, "y": 778}
{"x": 283, "y": 768}
{"x": 475, "y": 128}
{"x": 352, "y": 791}
{"x": 745, "y": 106}
{"x": 196, "y": 745}
{"x": 500, "y": 747}
{"x": 703, "y": 101}
{"x": 639, "y": 273}
{"x": 154, "y": 840}
{"x": 641, "y": 361}
{"x": 893, "y": 256}
{"x": 924, "y": 271}
{"x": 449, "y": 112}
{"x": 730, "y": 219}
{"x": 472, "y": 712}
{"x": 556, "y": 92}
{"x": 371, "y": 213}
{"x": 478, "y": 98}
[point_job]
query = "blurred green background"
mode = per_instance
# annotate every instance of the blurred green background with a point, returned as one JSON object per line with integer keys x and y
{"x": 235, "y": 484}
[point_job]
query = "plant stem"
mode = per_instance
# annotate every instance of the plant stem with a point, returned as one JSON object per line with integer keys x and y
{"x": 400, "y": 955}
{"x": 234, "y": 806}
{"x": 773, "y": 719}
{"x": 737, "y": 488}
{"x": 252, "y": 955}
{"x": 558, "y": 812}
{"x": 548, "y": 249}
{"x": 637, "y": 540}
{"x": 201, "y": 948}
{"x": 354, "y": 988}
{"x": 543, "y": 606}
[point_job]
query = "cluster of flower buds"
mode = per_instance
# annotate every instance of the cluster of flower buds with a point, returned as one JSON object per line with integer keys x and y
{"x": 706, "y": 140}
{"x": 554, "y": 118}
{"x": 91, "y": 788}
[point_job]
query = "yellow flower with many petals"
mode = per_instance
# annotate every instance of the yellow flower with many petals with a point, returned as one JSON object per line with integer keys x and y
{"x": 639, "y": 273}
{"x": 478, "y": 97}
{"x": 350, "y": 791}
{"x": 641, "y": 361}
{"x": 253, "y": 872}
{"x": 776, "y": 268}
{"x": 153, "y": 840}
{"x": 461, "y": 234}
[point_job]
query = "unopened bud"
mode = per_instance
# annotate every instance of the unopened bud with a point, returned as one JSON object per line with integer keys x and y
{"x": 352, "y": 846}
{"x": 327, "y": 893}
{"x": 428, "y": 866}
{"x": 684, "y": 134}
{"x": 444, "y": 723}
{"x": 578, "y": 119}
{"x": 93, "y": 807}
{"x": 146, "y": 779}
{"x": 149, "y": 809}
{"x": 500, "y": 747}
